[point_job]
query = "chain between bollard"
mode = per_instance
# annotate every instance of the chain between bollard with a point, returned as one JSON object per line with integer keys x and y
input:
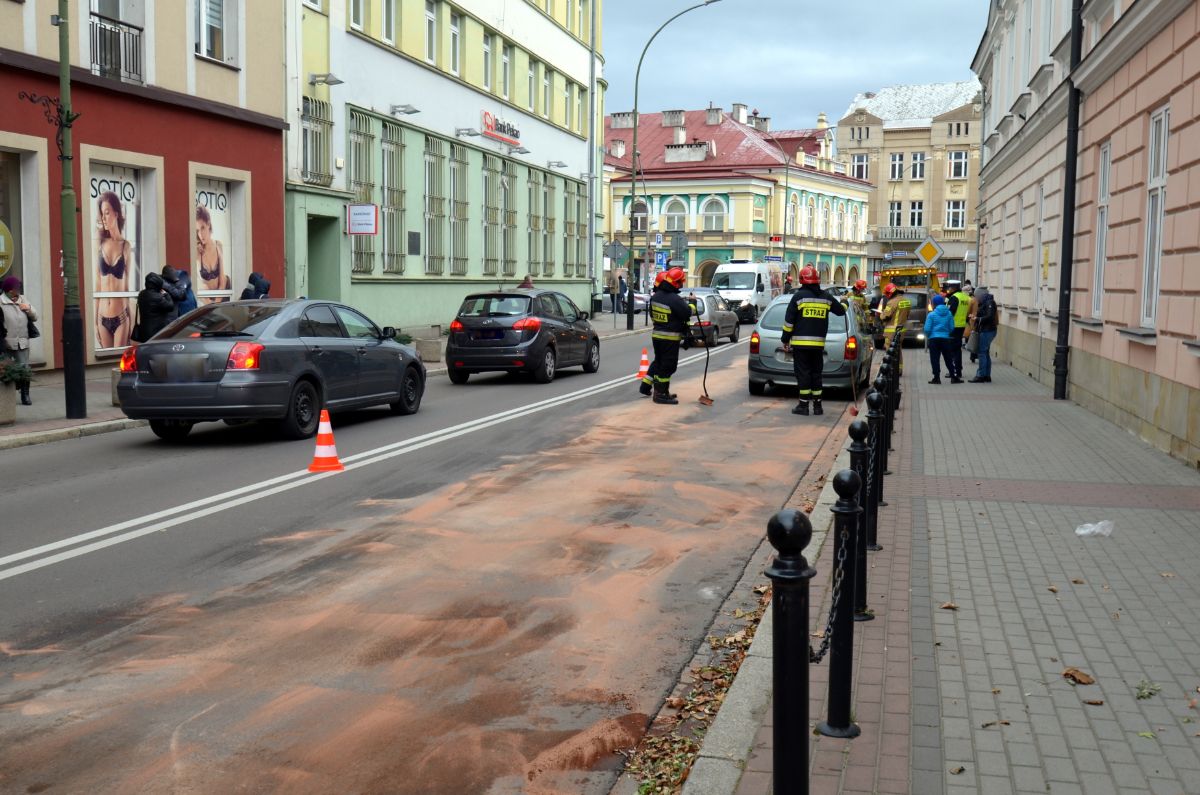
{"x": 839, "y": 576}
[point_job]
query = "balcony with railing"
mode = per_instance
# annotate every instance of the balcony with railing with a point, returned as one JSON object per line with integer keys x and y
{"x": 885, "y": 233}
{"x": 116, "y": 49}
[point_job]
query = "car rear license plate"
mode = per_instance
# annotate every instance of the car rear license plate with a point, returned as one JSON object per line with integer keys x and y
{"x": 488, "y": 334}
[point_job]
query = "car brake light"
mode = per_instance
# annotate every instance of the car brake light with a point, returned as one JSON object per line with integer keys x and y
{"x": 754, "y": 340}
{"x": 129, "y": 360}
{"x": 244, "y": 356}
{"x": 528, "y": 324}
{"x": 851, "y": 348}
{"x": 705, "y": 323}
{"x": 456, "y": 325}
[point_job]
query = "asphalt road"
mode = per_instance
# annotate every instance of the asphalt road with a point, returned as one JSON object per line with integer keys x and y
{"x": 493, "y": 598}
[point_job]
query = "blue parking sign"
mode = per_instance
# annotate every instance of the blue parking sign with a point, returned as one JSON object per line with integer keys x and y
{"x": 660, "y": 258}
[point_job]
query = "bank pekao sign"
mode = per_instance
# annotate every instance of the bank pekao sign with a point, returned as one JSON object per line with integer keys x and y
{"x": 498, "y": 129}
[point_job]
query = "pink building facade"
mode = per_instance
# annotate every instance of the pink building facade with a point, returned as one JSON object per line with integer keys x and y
{"x": 1135, "y": 299}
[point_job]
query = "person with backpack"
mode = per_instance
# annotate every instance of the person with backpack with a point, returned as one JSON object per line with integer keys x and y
{"x": 985, "y": 322}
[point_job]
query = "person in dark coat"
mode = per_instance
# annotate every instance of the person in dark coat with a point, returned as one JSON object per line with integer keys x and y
{"x": 155, "y": 308}
{"x": 259, "y": 287}
{"x": 178, "y": 285}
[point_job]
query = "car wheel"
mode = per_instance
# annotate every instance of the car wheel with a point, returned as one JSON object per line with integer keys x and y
{"x": 592, "y": 364}
{"x": 411, "y": 390}
{"x": 544, "y": 374}
{"x": 457, "y": 376}
{"x": 757, "y": 387}
{"x": 303, "y": 412}
{"x": 171, "y": 430}
{"x": 737, "y": 332}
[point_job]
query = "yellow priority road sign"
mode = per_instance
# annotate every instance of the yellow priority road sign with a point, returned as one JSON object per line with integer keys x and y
{"x": 929, "y": 251}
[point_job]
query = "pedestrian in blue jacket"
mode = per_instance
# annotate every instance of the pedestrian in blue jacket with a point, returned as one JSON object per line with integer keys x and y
{"x": 939, "y": 329}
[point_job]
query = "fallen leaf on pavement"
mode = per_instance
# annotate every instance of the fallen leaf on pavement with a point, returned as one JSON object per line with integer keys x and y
{"x": 995, "y": 690}
{"x": 1053, "y": 659}
{"x": 1078, "y": 677}
{"x": 1192, "y": 704}
{"x": 1077, "y": 581}
{"x": 1053, "y": 589}
{"x": 1147, "y": 735}
{"x": 1166, "y": 575}
{"x": 1116, "y": 616}
{"x": 992, "y": 723}
{"x": 956, "y": 771}
{"x": 675, "y": 702}
{"x": 760, "y": 589}
{"x": 1095, "y": 702}
{"x": 949, "y": 606}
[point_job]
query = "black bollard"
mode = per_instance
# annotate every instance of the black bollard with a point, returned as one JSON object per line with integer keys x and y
{"x": 789, "y": 531}
{"x": 881, "y": 441}
{"x": 841, "y": 648}
{"x": 874, "y": 488}
{"x": 860, "y": 455}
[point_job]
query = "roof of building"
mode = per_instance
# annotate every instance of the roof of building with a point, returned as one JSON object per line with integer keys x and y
{"x": 915, "y": 105}
{"x": 737, "y": 145}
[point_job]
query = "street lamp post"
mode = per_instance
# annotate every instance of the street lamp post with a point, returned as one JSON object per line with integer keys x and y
{"x": 787, "y": 163}
{"x": 58, "y": 112}
{"x": 633, "y": 162}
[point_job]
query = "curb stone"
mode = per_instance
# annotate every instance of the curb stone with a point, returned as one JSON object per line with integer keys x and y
{"x": 726, "y": 747}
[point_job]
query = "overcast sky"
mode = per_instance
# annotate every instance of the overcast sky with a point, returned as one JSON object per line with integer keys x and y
{"x": 790, "y": 59}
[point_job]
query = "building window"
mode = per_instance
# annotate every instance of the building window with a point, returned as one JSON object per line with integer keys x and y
{"x": 362, "y": 184}
{"x": 391, "y": 209}
{"x": 676, "y": 213}
{"x": 569, "y": 218}
{"x": 455, "y": 40}
{"x": 508, "y": 184}
{"x": 858, "y": 167}
{"x": 316, "y": 126}
{"x": 855, "y": 235}
{"x": 458, "y": 210}
{"x": 547, "y": 91}
{"x": 356, "y": 13}
{"x": 215, "y": 26}
{"x": 487, "y": 61}
{"x": 958, "y": 164}
{"x": 570, "y": 14}
{"x": 1102, "y": 197}
{"x": 549, "y": 225}
{"x": 1027, "y": 60}
{"x": 531, "y": 86}
{"x": 534, "y": 230}
{"x": 580, "y": 93}
{"x": 918, "y": 165}
{"x": 389, "y": 21}
{"x": 491, "y": 215}
{"x": 506, "y": 70}
{"x": 793, "y": 215}
{"x": 916, "y": 213}
{"x": 714, "y": 215}
{"x": 638, "y": 222}
{"x": 839, "y": 222}
{"x": 431, "y": 33}
{"x": 435, "y": 205}
{"x": 897, "y": 166}
{"x": 956, "y": 214}
{"x": 1156, "y": 199}
{"x": 824, "y": 231}
{"x": 568, "y": 106}
{"x": 579, "y": 25}
{"x": 581, "y": 232}
{"x": 894, "y": 214}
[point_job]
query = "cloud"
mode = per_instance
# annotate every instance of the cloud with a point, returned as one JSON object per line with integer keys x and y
{"x": 791, "y": 59}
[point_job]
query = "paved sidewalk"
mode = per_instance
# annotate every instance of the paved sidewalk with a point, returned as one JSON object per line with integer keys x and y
{"x": 45, "y": 420}
{"x": 991, "y": 481}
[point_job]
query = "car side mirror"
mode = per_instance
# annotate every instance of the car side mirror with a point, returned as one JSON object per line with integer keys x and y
{"x": 761, "y": 288}
{"x": 583, "y": 316}
{"x": 389, "y": 333}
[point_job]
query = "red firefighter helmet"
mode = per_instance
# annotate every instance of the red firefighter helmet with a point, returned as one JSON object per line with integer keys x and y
{"x": 674, "y": 277}
{"x": 888, "y": 289}
{"x": 860, "y": 285}
{"x": 809, "y": 275}
{"x": 659, "y": 278}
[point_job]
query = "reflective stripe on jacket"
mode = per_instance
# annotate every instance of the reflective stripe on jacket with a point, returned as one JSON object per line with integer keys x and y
{"x": 807, "y": 319}
{"x": 669, "y": 313}
{"x": 959, "y": 305}
{"x": 895, "y": 314}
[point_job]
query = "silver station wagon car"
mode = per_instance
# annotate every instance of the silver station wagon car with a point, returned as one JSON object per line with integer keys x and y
{"x": 848, "y": 350}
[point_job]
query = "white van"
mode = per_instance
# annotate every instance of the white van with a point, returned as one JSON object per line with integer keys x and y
{"x": 748, "y": 286}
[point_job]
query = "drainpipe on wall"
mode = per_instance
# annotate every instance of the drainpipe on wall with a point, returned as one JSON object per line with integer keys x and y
{"x": 591, "y": 137}
{"x": 1066, "y": 263}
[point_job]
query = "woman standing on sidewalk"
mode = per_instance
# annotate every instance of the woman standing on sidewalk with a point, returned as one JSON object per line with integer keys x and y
{"x": 17, "y": 314}
{"x": 939, "y": 328}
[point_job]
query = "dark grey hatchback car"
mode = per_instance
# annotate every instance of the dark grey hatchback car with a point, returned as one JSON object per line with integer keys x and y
{"x": 281, "y": 360}
{"x": 535, "y": 331}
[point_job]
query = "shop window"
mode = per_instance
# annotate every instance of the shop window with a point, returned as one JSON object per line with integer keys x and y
{"x": 115, "y": 206}
{"x": 362, "y": 184}
{"x": 491, "y": 215}
{"x": 435, "y": 205}
{"x": 458, "y": 210}
{"x": 316, "y": 126}
{"x": 10, "y": 216}
{"x": 391, "y": 210}
{"x": 216, "y": 262}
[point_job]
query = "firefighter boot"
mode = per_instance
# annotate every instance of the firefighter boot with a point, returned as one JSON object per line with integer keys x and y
{"x": 801, "y": 408}
{"x": 817, "y": 406}
{"x": 665, "y": 397}
{"x": 645, "y": 388}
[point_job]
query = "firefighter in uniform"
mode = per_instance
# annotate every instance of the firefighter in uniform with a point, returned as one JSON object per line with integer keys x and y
{"x": 895, "y": 315}
{"x": 671, "y": 316}
{"x": 804, "y": 329}
{"x": 959, "y": 304}
{"x": 858, "y": 294}
{"x": 647, "y": 385}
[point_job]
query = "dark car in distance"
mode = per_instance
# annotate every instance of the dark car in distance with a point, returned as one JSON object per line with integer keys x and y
{"x": 280, "y": 360}
{"x": 520, "y": 330}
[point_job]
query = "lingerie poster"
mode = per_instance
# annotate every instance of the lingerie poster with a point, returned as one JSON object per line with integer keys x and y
{"x": 114, "y": 201}
{"x": 212, "y": 269}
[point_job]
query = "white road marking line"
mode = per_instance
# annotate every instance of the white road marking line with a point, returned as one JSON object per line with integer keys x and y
{"x": 172, "y": 517}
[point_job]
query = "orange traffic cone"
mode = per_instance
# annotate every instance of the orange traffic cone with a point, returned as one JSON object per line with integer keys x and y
{"x": 325, "y": 459}
{"x": 644, "y": 367}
